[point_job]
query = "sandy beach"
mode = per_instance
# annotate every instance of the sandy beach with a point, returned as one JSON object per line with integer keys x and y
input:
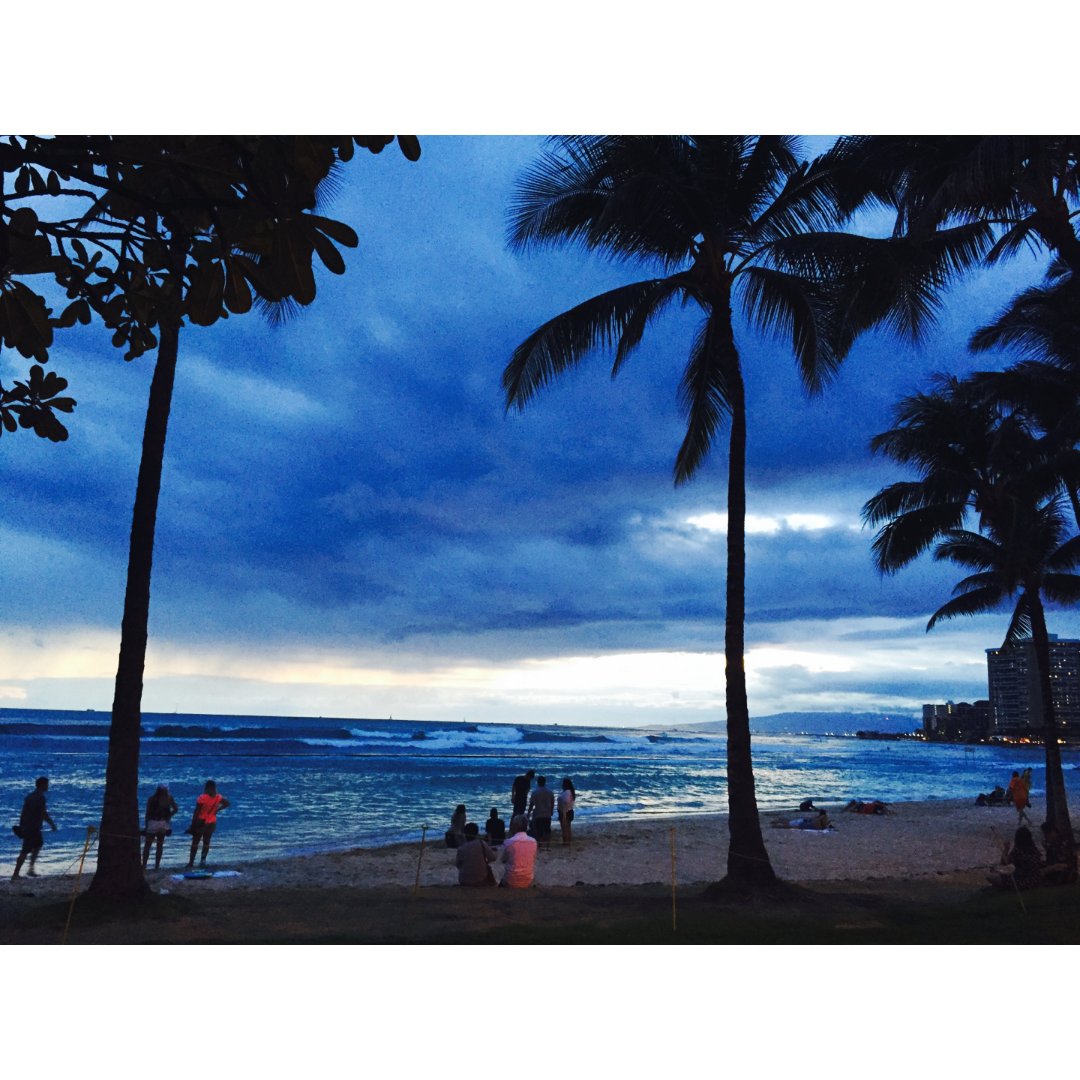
{"x": 914, "y": 848}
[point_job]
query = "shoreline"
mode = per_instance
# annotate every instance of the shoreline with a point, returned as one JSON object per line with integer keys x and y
{"x": 915, "y": 840}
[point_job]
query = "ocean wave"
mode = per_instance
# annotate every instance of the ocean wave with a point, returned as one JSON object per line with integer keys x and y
{"x": 90, "y": 731}
{"x": 562, "y": 736}
{"x": 198, "y": 731}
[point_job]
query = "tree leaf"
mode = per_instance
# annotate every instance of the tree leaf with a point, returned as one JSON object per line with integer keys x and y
{"x": 336, "y": 230}
{"x": 330, "y": 256}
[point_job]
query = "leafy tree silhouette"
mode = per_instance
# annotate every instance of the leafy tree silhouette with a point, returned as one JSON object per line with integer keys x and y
{"x": 151, "y": 233}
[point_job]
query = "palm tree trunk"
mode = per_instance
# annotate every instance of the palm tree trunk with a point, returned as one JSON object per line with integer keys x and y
{"x": 748, "y": 861}
{"x": 119, "y": 871}
{"x": 1057, "y": 804}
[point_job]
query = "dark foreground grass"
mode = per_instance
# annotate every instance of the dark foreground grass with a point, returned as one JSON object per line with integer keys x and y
{"x": 866, "y": 913}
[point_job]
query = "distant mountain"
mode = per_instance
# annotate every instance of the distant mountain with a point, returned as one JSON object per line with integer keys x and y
{"x": 818, "y": 723}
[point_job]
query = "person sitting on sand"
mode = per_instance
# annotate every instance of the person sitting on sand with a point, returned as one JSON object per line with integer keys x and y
{"x": 495, "y": 828}
{"x": 472, "y": 859}
{"x": 807, "y": 804}
{"x": 541, "y": 809}
{"x": 1060, "y": 866}
{"x": 204, "y": 822}
{"x": 1021, "y": 864}
{"x": 519, "y": 855}
{"x": 565, "y": 803}
{"x": 160, "y": 807}
{"x": 819, "y": 821}
{"x": 455, "y": 835}
{"x": 993, "y": 798}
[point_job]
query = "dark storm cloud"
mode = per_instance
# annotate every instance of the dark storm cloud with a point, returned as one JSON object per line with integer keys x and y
{"x": 351, "y": 478}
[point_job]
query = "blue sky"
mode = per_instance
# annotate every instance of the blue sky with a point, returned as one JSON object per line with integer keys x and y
{"x": 351, "y": 524}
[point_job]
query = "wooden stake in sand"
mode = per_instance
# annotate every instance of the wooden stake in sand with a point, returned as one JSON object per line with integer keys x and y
{"x": 420, "y": 859}
{"x": 90, "y": 830}
{"x": 673, "y": 879}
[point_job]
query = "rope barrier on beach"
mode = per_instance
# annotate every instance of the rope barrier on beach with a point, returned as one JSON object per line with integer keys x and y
{"x": 90, "y": 830}
{"x": 673, "y": 922}
{"x": 1004, "y": 845}
{"x": 420, "y": 858}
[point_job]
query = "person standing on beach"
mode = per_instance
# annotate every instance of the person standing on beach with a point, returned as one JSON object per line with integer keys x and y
{"x": 204, "y": 822}
{"x": 160, "y": 807}
{"x": 1017, "y": 795}
{"x": 519, "y": 792}
{"x": 541, "y": 809}
{"x": 31, "y": 820}
{"x": 519, "y": 855}
{"x": 472, "y": 859}
{"x": 565, "y": 804}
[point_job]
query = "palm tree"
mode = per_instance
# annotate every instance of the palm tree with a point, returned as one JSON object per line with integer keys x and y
{"x": 1042, "y": 325}
{"x": 727, "y": 223}
{"x": 971, "y": 453}
{"x": 974, "y": 454}
{"x": 1024, "y": 556}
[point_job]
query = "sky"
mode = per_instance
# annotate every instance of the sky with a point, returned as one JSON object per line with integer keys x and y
{"x": 351, "y": 524}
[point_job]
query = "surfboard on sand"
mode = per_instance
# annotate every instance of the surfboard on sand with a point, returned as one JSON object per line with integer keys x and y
{"x": 198, "y": 875}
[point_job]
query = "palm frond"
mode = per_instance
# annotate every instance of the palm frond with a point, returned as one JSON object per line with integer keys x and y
{"x": 1062, "y": 588}
{"x": 1066, "y": 557}
{"x": 791, "y": 308}
{"x": 567, "y": 339}
{"x": 906, "y": 496}
{"x": 1014, "y": 239}
{"x": 1020, "y": 624}
{"x": 896, "y": 284}
{"x": 972, "y": 603}
{"x": 969, "y": 549}
{"x": 905, "y": 538}
{"x": 631, "y": 197}
{"x": 805, "y": 203}
{"x": 705, "y": 393}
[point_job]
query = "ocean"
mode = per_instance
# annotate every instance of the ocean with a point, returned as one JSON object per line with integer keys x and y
{"x": 303, "y": 784}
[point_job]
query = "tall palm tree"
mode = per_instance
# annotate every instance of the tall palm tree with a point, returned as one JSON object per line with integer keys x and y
{"x": 1024, "y": 556}
{"x": 974, "y": 455}
{"x": 727, "y": 223}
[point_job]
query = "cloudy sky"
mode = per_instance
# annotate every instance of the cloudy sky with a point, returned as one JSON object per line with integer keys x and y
{"x": 351, "y": 524}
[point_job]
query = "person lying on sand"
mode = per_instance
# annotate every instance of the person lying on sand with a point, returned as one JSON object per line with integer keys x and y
{"x": 874, "y": 806}
{"x": 819, "y": 821}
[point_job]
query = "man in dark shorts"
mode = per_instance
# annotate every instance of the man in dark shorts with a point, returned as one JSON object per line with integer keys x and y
{"x": 541, "y": 807}
{"x": 519, "y": 791}
{"x": 33, "y": 816}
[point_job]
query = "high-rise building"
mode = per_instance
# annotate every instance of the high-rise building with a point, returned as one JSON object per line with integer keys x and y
{"x": 1014, "y": 687}
{"x": 957, "y": 720}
